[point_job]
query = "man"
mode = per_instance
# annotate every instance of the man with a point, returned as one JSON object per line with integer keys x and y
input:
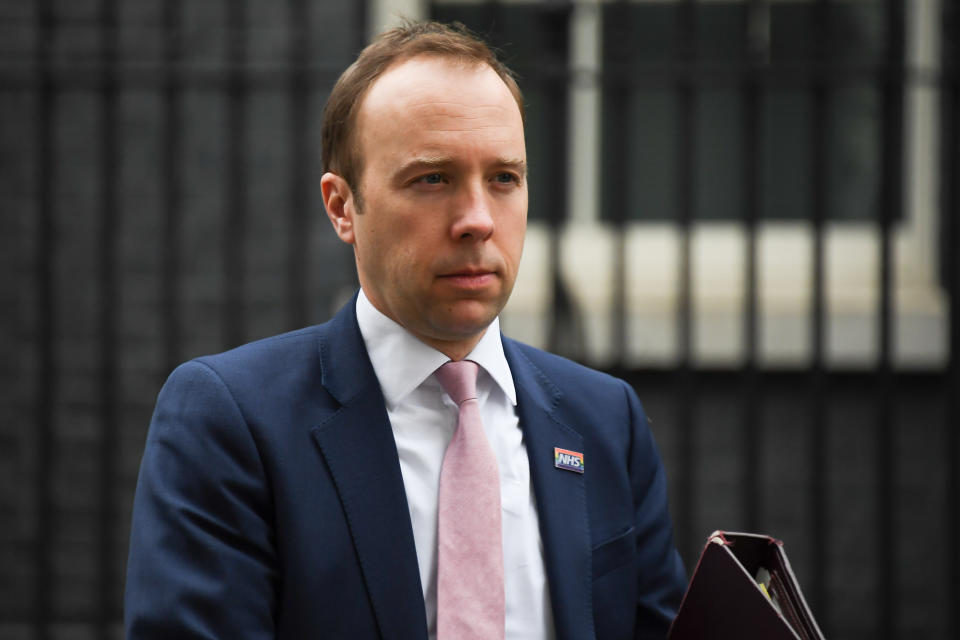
{"x": 302, "y": 486}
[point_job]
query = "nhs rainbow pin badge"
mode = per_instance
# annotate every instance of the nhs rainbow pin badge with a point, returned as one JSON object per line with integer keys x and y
{"x": 568, "y": 460}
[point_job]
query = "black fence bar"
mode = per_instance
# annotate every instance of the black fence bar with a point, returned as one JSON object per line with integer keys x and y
{"x": 563, "y": 329}
{"x": 300, "y": 167}
{"x": 170, "y": 178}
{"x": 819, "y": 469}
{"x": 80, "y": 75}
{"x": 108, "y": 277}
{"x": 235, "y": 216}
{"x": 950, "y": 199}
{"x": 685, "y": 388}
{"x": 564, "y": 326}
{"x": 891, "y": 206}
{"x": 617, "y": 95}
{"x": 360, "y": 21}
{"x": 751, "y": 399}
{"x": 47, "y": 389}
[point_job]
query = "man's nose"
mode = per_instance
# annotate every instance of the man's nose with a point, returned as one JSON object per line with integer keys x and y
{"x": 474, "y": 215}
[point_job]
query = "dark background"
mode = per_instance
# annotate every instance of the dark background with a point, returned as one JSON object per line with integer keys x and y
{"x": 159, "y": 189}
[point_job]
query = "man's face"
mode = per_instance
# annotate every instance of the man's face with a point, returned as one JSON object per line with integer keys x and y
{"x": 444, "y": 193}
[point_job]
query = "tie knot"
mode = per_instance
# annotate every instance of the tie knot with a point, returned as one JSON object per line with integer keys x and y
{"x": 459, "y": 380}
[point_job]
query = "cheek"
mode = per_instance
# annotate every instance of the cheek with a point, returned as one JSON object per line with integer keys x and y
{"x": 513, "y": 241}
{"x": 404, "y": 261}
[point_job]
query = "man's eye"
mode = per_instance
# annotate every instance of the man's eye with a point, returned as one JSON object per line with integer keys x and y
{"x": 432, "y": 178}
{"x": 506, "y": 178}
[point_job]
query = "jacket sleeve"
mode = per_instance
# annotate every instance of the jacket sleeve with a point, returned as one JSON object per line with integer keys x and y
{"x": 661, "y": 575}
{"x": 202, "y": 560}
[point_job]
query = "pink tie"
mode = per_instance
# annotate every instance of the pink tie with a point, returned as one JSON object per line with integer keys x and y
{"x": 470, "y": 602}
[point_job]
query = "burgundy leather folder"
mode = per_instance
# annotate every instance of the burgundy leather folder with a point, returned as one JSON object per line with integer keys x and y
{"x": 725, "y": 598}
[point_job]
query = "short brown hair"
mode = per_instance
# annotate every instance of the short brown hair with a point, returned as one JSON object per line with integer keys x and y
{"x": 340, "y": 152}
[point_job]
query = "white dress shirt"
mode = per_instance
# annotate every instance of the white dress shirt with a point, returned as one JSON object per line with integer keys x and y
{"x": 423, "y": 418}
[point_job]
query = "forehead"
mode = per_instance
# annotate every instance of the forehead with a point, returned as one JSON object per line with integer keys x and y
{"x": 433, "y": 100}
{"x": 431, "y": 74}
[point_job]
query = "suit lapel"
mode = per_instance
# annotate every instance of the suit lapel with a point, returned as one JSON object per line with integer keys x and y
{"x": 561, "y": 498}
{"x": 358, "y": 446}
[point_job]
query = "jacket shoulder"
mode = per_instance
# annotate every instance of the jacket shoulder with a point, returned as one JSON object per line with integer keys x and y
{"x": 283, "y": 359}
{"x": 280, "y": 346}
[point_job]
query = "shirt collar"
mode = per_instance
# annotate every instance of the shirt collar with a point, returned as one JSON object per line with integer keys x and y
{"x": 402, "y": 362}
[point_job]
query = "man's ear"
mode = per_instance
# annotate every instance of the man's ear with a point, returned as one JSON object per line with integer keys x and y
{"x": 340, "y": 205}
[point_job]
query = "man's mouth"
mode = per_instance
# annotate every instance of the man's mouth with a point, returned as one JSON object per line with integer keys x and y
{"x": 470, "y": 278}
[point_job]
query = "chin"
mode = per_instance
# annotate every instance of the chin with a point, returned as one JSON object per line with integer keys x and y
{"x": 464, "y": 325}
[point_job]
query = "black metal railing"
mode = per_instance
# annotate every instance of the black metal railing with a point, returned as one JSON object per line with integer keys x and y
{"x": 105, "y": 309}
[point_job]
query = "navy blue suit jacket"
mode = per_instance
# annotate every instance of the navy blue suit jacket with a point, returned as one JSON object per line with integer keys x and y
{"x": 270, "y": 502}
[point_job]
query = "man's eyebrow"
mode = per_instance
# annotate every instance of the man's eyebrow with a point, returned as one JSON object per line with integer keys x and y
{"x": 436, "y": 162}
{"x": 425, "y": 162}
{"x": 518, "y": 164}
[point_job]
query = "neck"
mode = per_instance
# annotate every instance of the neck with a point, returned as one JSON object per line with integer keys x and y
{"x": 456, "y": 350}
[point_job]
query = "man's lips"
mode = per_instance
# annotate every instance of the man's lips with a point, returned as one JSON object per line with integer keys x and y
{"x": 470, "y": 278}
